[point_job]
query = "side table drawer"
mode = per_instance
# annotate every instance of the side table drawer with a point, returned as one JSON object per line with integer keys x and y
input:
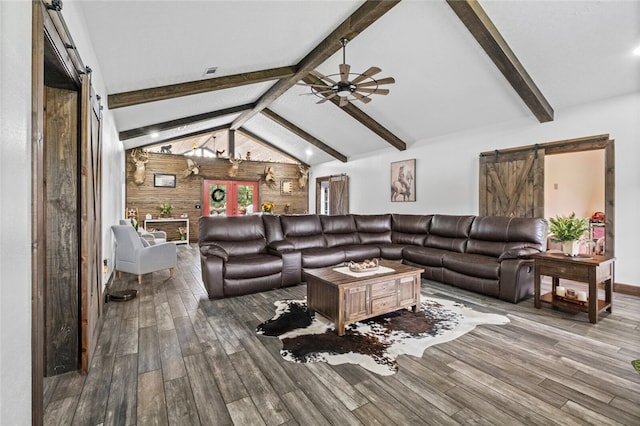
{"x": 566, "y": 271}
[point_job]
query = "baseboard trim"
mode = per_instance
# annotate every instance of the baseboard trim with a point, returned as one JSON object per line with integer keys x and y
{"x": 628, "y": 289}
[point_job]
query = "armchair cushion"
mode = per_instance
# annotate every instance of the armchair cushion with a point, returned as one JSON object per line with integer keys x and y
{"x": 133, "y": 256}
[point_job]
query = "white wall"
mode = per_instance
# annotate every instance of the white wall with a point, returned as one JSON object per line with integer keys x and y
{"x": 574, "y": 183}
{"x": 113, "y": 166}
{"x": 15, "y": 213}
{"x": 15, "y": 192}
{"x": 447, "y": 169}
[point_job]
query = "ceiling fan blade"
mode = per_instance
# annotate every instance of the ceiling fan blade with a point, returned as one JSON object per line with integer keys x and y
{"x": 360, "y": 97}
{"x": 344, "y": 72}
{"x": 344, "y": 101}
{"x": 311, "y": 85}
{"x": 373, "y": 91}
{"x": 316, "y": 74}
{"x": 368, "y": 73}
{"x": 325, "y": 99}
{"x": 317, "y": 92}
{"x": 387, "y": 80}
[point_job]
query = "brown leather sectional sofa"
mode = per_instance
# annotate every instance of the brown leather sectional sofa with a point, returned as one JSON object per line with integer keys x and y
{"x": 485, "y": 254}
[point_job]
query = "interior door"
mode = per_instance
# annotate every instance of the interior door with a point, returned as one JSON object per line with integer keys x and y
{"x": 91, "y": 225}
{"x": 61, "y": 348}
{"x": 339, "y": 195}
{"x": 332, "y": 195}
{"x": 512, "y": 184}
{"x": 229, "y": 197}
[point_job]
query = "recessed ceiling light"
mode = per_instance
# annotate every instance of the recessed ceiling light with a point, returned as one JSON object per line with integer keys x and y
{"x": 309, "y": 152}
{"x": 636, "y": 51}
{"x": 154, "y": 134}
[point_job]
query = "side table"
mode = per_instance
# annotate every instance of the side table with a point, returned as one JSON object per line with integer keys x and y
{"x": 591, "y": 270}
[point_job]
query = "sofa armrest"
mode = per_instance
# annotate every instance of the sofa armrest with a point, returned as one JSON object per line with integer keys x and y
{"x": 520, "y": 253}
{"x": 516, "y": 279}
{"x": 282, "y": 246}
{"x": 212, "y": 268}
{"x": 291, "y": 268}
{"x": 214, "y": 250}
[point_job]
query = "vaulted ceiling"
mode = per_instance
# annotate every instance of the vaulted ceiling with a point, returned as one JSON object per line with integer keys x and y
{"x": 457, "y": 64}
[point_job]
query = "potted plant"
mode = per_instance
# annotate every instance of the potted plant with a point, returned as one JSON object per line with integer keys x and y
{"x": 165, "y": 209}
{"x": 568, "y": 230}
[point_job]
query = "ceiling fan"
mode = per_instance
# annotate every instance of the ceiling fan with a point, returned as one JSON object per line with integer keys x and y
{"x": 361, "y": 87}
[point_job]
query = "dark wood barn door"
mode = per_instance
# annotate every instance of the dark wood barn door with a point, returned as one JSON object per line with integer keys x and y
{"x": 512, "y": 184}
{"x": 91, "y": 224}
{"x": 61, "y": 230}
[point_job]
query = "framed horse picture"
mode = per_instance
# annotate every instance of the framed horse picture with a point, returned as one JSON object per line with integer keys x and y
{"x": 403, "y": 180}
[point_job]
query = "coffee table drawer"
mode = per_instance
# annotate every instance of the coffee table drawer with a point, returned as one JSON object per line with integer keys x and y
{"x": 383, "y": 304}
{"x": 383, "y": 289}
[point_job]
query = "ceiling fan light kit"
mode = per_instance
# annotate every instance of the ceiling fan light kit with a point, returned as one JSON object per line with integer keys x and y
{"x": 360, "y": 88}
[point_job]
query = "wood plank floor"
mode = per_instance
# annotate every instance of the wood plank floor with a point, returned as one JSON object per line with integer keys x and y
{"x": 172, "y": 356}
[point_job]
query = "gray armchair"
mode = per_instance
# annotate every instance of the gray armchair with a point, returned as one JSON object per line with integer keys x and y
{"x": 134, "y": 257}
{"x": 155, "y": 237}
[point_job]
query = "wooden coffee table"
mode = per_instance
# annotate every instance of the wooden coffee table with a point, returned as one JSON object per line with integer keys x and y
{"x": 346, "y": 299}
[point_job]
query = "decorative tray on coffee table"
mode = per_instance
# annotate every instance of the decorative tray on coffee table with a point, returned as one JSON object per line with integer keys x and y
{"x": 364, "y": 266}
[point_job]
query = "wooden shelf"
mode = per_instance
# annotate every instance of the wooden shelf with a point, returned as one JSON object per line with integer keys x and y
{"x": 572, "y": 304}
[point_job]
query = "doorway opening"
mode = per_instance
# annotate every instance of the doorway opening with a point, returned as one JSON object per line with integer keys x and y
{"x": 332, "y": 195}
{"x": 512, "y": 181}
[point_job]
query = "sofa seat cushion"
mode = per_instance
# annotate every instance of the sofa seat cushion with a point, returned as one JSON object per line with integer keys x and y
{"x": 320, "y": 257}
{"x": 252, "y": 265}
{"x": 475, "y": 265}
{"x": 392, "y": 251}
{"x": 426, "y": 256}
{"x": 360, "y": 252}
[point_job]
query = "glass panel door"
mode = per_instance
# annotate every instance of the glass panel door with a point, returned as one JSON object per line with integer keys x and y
{"x": 229, "y": 198}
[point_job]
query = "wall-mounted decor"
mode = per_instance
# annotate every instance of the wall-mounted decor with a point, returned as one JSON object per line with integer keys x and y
{"x": 164, "y": 180}
{"x": 403, "y": 182}
{"x": 286, "y": 186}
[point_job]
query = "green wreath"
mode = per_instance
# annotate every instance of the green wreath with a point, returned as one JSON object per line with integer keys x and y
{"x": 218, "y": 195}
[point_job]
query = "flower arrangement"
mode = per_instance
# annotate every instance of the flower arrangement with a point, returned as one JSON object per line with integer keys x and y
{"x": 267, "y": 207}
{"x": 183, "y": 232}
{"x": 165, "y": 209}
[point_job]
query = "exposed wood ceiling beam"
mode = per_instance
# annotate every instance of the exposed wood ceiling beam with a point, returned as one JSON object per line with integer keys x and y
{"x": 304, "y": 135}
{"x": 187, "y": 135}
{"x": 366, "y": 15}
{"x": 264, "y": 142}
{"x": 363, "y": 118}
{"x": 478, "y": 23}
{"x": 136, "y": 97}
{"x": 172, "y": 124}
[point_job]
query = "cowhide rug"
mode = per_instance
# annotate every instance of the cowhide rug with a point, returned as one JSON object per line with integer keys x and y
{"x": 375, "y": 343}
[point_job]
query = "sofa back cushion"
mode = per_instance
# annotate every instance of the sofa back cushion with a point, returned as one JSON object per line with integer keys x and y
{"x": 238, "y": 235}
{"x": 373, "y": 229}
{"x": 272, "y": 228}
{"x": 409, "y": 228}
{"x": 339, "y": 230}
{"x": 304, "y": 231}
{"x": 449, "y": 232}
{"x": 493, "y": 235}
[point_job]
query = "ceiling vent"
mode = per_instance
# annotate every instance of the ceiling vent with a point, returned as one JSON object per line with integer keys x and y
{"x": 210, "y": 71}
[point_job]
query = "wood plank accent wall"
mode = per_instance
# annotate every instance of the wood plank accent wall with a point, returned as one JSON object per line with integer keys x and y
{"x": 188, "y": 191}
